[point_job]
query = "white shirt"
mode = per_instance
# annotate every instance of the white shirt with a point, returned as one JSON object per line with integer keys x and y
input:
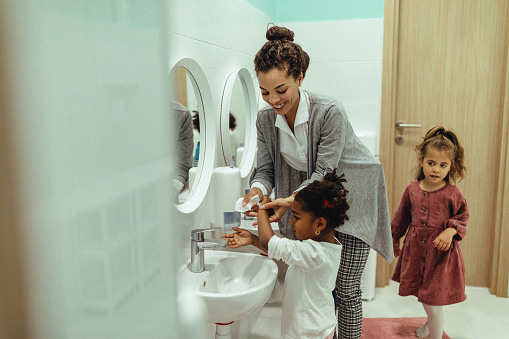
{"x": 293, "y": 145}
{"x": 308, "y": 305}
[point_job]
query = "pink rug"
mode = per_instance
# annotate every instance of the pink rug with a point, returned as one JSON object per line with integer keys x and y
{"x": 392, "y": 328}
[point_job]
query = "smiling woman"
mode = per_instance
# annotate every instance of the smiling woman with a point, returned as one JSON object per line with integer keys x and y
{"x": 281, "y": 92}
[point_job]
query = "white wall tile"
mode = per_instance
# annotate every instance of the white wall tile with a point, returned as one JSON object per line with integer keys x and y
{"x": 243, "y": 27}
{"x": 199, "y": 20}
{"x": 346, "y": 63}
{"x": 365, "y": 118}
{"x": 94, "y": 158}
{"x": 349, "y": 82}
{"x": 351, "y": 40}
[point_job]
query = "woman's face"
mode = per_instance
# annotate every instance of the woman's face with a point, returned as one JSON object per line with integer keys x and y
{"x": 280, "y": 91}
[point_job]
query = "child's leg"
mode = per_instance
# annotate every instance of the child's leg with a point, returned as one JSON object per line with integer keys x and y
{"x": 354, "y": 255}
{"x": 435, "y": 321}
{"x": 423, "y": 331}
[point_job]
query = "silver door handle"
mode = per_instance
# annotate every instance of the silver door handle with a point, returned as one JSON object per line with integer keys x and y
{"x": 401, "y": 125}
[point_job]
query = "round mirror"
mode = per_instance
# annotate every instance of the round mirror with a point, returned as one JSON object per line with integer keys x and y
{"x": 191, "y": 104}
{"x": 238, "y": 119}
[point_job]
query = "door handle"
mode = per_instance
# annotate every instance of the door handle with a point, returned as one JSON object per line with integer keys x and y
{"x": 401, "y": 125}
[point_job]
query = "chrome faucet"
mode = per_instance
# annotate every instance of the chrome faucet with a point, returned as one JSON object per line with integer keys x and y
{"x": 198, "y": 246}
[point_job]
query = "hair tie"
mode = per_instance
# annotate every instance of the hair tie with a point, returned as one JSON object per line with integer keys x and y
{"x": 326, "y": 204}
{"x": 449, "y": 136}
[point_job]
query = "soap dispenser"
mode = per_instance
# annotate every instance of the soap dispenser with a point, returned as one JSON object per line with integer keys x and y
{"x": 224, "y": 192}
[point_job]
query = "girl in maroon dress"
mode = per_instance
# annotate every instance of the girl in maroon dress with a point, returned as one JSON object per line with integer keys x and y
{"x": 435, "y": 214}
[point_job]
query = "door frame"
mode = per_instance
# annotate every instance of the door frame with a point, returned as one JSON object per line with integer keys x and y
{"x": 499, "y": 277}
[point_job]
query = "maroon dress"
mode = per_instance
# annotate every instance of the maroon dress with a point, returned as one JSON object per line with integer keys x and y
{"x": 435, "y": 277}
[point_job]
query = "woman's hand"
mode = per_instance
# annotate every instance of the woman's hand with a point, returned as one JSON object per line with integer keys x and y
{"x": 239, "y": 239}
{"x": 444, "y": 239}
{"x": 279, "y": 206}
{"x": 395, "y": 246}
{"x": 254, "y": 209}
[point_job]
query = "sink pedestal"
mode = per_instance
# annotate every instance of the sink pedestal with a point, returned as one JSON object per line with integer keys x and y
{"x": 223, "y": 331}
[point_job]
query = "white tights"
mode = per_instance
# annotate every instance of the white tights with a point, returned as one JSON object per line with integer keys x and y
{"x": 434, "y": 327}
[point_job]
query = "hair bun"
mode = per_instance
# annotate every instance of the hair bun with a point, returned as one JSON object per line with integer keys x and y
{"x": 279, "y": 33}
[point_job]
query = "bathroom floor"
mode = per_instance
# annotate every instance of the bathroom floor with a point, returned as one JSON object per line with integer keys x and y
{"x": 481, "y": 316}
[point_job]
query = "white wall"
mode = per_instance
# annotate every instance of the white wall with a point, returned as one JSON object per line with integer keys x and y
{"x": 91, "y": 146}
{"x": 346, "y": 63}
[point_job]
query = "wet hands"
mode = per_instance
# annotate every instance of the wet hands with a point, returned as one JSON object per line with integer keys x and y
{"x": 444, "y": 239}
{"x": 239, "y": 239}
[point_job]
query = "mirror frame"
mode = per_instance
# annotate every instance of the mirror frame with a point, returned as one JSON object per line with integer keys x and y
{"x": 248, "y": 157}
{"x": 207, "y": 136}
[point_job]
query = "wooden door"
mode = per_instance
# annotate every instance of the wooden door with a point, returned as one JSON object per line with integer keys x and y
{"x": 446, "y": 63}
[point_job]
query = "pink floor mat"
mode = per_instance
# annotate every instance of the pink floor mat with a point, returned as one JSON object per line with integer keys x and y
{"x": 392, "y": 328}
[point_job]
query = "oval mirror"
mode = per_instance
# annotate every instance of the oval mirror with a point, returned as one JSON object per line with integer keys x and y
{"x": 191, "y": 105}
{"x": 238, "y": 119}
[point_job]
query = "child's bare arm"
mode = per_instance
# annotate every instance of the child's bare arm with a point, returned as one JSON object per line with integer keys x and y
{"x": 242, "y": 238}
{"x": 265, "y": 231}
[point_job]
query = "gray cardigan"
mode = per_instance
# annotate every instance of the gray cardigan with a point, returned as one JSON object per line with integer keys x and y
{"x": 332, "y": 143}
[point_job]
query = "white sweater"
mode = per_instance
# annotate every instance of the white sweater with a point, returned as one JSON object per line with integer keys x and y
{"x": 308, "y": 305}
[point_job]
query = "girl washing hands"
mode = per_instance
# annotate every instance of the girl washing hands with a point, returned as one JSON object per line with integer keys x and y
{"x": 313, "y": 259}
{"x": 435, "y": 213}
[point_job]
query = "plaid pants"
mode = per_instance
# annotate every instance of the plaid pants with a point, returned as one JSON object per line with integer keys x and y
{"x": 354, "y": 255}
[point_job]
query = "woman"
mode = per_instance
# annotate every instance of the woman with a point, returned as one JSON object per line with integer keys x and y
{"x": 301, "y": 135}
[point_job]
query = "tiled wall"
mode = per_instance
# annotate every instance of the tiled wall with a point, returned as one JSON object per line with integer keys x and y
{"x": 346, "y": 63}
{"x": 88, "y": 132}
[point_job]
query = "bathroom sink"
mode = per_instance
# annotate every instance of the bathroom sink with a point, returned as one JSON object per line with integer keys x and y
{"x": 233, "y": 284}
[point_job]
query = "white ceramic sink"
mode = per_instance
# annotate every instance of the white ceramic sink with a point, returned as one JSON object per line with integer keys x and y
{"x": 233, "y": 285}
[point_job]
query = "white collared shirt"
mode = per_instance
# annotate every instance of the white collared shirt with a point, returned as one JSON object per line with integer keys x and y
{"x": 293, "y": 145}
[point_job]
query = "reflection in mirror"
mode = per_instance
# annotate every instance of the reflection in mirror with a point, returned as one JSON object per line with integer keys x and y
{"x": 238, "y": 119}
{"x": 186, "y": 106}
{"x": 239, "y": 110}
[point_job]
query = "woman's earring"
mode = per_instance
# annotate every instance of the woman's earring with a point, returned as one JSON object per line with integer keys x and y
{"x": 317, "y": 232}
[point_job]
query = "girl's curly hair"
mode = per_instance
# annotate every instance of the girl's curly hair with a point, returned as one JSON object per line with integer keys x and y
{"x": 326, "y": 198}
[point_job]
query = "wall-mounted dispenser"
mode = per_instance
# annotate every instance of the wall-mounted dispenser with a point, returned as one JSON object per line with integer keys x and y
{"x": 225, "y": 191}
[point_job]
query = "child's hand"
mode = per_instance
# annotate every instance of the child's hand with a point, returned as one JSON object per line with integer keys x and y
{"x": 444, "y": 239}
{"x": 395, "y": 246}
{"x": 239, "y": 239}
